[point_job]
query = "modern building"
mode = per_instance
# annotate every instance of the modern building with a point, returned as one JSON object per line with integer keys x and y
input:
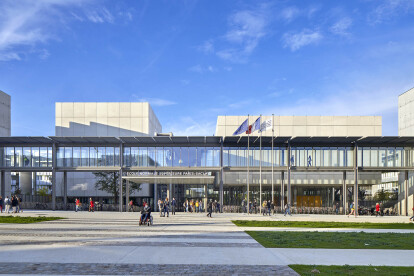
{"x": 406, "y": 128}
{"x": 313, "y": 162}
{"x": 102, "y": 119}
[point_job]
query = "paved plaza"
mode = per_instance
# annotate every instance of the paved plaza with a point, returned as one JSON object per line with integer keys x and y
{"x": 112, "y": 243}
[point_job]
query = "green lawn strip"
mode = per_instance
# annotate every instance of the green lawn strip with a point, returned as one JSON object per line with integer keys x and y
{"x": 352, "y": 270}
{"x": 16, "y": 219}
{"x": 323, "y": 224}
{"x": 333, "y": 240}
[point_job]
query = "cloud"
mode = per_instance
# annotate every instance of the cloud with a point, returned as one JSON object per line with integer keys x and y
{"x": 100, "y": 16}
{"x": 245, "y": 30}
{"x": 201, "y": 69}
{"x": 187, "y": 126}
{"x": 25, "y": 24}
{"x": 207, "y": 47}
{"x": 290, "y": 13}
{"x": 155, "y": 101}
{"x": 341, "y": 27}
{"x": 387, "y": 10}
{"x": 295, "y": 41}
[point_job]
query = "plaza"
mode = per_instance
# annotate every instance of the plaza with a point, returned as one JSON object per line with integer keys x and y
{"x": 112, "y": 243}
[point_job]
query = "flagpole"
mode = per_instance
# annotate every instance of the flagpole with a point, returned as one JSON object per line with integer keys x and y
{"x": 273, "y": 162}
{"x": 260, "y": 169}
{"x": 248, "y": 165}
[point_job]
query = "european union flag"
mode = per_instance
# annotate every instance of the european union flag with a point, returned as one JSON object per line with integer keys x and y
{"x": 242, "y": 128}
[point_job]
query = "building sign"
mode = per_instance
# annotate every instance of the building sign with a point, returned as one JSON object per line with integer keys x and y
{"x": 167, "y": 173}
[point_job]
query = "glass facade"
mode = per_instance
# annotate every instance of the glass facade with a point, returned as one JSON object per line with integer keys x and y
{"x": 206, "y": 157}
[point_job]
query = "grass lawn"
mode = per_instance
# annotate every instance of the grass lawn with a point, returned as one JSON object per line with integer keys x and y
{"x": 323, "y": 224}
{"x": 352, "y": 270}
{"x": 333, "y": 240}
{"x": 16, "y": 219}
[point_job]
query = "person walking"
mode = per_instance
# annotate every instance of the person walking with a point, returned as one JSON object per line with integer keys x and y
{"x": 377, "y": 209}
{"x": 210, "y": 208}
{"x": 264, "y": 205}
{"x": 6, "y": 205}
{"x": 166, "y": 207}
{"x": 197, "y": 206}
{"x": 269, "y": 207}
{"x": 173, "y": 203}
{"x": 287, "y": 209}
{"x": 14, "y": 204}
{"x": 352, "y": 210}
{"x": 1, "y": 204}
{"x": 131, "y": 206}
{"x": 91, "y": 205}
{"x": 162, "y": 213}
{"x": 337, "y": 208}
{"x": 77, "y": 204}
{"x": 255, "y": 206}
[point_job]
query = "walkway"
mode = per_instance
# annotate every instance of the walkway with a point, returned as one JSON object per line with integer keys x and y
{"x": 185, "y": 243}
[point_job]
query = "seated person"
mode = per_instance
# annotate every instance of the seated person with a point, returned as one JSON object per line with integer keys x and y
{"x": 146, "y": 213}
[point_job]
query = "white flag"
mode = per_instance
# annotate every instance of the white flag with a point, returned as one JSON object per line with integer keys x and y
{"x": 266, "y": 125}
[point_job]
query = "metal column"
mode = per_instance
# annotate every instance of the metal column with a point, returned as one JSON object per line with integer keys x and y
{"x": 3, "y": 184}
{"x": 121, "y": 164}
{"x": 65, "y": 189}
{"x": 344, "y": 193}
{"x": 406, "y": 192}
{"x": 282, "y": 190}
{"x": 126, "y": 195}
{"x": 54, "y": 176}
{"x": 221, "y": 176}
{"x": 356, "y": 179}
{"x": 289, "y": 188}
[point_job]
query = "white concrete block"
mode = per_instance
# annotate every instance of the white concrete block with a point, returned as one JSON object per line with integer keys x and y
{"x": 67, "y": 110}
{"x": 102, "y": 110}
{"x": 90, "y": 110}
{"x": 125, "y": 110}
{"x": 79, "y": 110}
{"x": 113, "y": 110}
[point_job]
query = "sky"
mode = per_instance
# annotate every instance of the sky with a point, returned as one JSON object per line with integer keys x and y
{"x": 195, "y": 60}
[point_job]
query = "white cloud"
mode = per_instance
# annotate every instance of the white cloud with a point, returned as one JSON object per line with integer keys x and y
{"x": 201, "y": 69}
{"x": 245, "y": 29}
{"x": 207, "y": 47}
{"x": 155, "y": 101}
{"x": 341, "y": 27}
{"x": 25, "y": 24}
{"x": 100, "y": 16}
{"x": 295, "y": 41}
{"x": 9, "y": 56}
{"x": 389, "y": 9}
{"x": 290, "y": 13}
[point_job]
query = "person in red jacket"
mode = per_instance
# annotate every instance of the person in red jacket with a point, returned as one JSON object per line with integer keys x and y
{"x": 91, "y": 205}
{"x": 77, "y": 204}
{"x": 377, "y": 209}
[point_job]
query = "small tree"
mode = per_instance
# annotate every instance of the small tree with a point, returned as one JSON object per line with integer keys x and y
{"x": 381, "y": 195}
{"x": 44, "y": 191}
{"x": 109, "y": 182}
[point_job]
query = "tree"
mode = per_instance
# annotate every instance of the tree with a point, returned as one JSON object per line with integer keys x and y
{"x": 109, "y": 182}
{"x": 44, "y": 191}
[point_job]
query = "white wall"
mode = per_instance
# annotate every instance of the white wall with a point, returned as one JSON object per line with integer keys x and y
{"x": 5, "y": 114}
{"x": 406, "y": 113}
{"x": 105, "y": 119}
{"x": 307, "y": 125}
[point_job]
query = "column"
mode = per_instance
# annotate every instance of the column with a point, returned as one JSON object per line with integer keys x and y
{"x": 344, "y": 193}
{"x": 356, "y": 180}
{"x": 126, "y": 194}
{"x": 26, "y": 182}
{"x": 54, "y": 176}
{"x": 406, "y": 192}
{"x": 120, "y": 190}
{"x": 282, "y": 190}
{"x": 221, "y": 189}
{"x": 65, "y": 188}
{"x": 171, "y": 193}
{"x": 3, "y": 184}
{"x": 155, "y": 196}
{"x": 289, "y": 189}
{"x": 205, "y": 201}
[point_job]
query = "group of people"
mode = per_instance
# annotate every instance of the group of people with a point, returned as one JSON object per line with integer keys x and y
{"x": 164, "y": 207}
{"x": 11, "y": 204}
{"x": 78, "y": 205}
{"x": 196, "y": 206}
{"x": 267, "y": 207}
